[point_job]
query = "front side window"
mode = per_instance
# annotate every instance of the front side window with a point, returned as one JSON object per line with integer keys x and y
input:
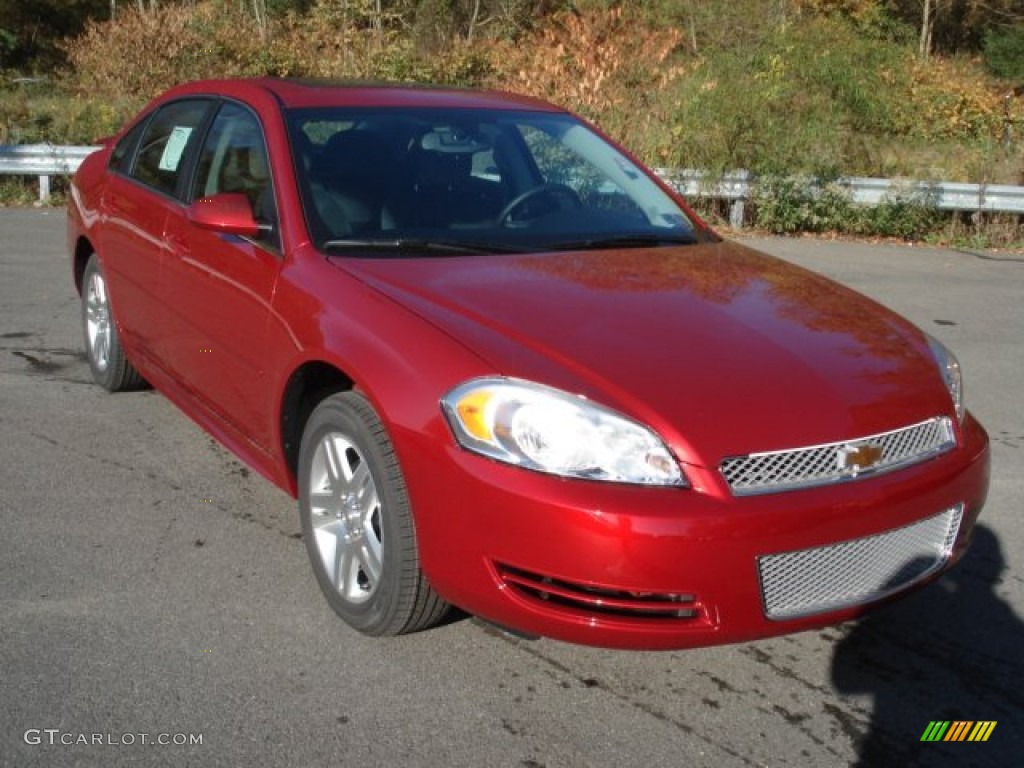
{"x": 233, "y": 159}
{"x": 166, "y": 144}
{"x": 507, "y": 180}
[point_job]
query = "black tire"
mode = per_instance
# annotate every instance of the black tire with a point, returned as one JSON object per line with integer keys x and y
{"x": 110, "y": 368}
{"x": 357, "y": 522}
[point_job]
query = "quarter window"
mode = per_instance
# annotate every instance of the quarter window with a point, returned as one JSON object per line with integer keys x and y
{"x": 166, "y": 144}
{"x": 121, "y": 157}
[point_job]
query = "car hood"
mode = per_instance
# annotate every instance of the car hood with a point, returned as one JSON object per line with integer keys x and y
{"x": 719, "y": 348}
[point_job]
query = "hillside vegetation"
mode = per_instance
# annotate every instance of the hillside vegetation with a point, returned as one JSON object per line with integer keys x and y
{"x": 779, "y": 87}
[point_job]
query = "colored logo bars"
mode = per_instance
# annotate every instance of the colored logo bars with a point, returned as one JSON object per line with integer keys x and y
{"x": 958, "y": 730}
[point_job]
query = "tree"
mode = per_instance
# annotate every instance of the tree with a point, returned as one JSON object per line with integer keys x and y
{"x": 437, "y": 22}
{"x": 928, "y": 11}
{"x": 31, "y": 30}
{"x": 1004, "y": 51}
{"x": 955, "y": 26}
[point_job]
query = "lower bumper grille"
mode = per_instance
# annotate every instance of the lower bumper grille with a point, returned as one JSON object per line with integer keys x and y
{"x": 590, "y": 601}
{"x": 810, "y": 581}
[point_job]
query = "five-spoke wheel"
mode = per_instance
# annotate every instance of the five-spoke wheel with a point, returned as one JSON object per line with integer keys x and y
{"x": 345, "y": 515}
{"x": 357, "y": 521}
{"x": 97, "y": 320}
{"x": 110, "y": 368}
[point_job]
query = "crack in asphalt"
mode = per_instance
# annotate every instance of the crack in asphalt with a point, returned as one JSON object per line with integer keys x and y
{"x": 856, "y": 728}
{"x": 40, "y": 363}
{"x": 762, "y": 657}
{"x": 244, "y": 516}
{"x": 987, "y": 256}
{"x": 556, "y": 667}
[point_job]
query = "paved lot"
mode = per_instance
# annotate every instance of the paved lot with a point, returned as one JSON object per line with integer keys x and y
{"x": 150, "y": 584}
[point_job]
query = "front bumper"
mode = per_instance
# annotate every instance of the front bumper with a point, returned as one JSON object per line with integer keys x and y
{"x": 658, "y": 568}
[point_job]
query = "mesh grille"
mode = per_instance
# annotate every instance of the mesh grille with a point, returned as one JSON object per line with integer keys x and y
{"x": 821, "y": 464}
{"x": 841, "y": 575}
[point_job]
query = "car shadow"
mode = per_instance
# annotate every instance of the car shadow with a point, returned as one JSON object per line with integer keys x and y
{"x": 952, "y": 652}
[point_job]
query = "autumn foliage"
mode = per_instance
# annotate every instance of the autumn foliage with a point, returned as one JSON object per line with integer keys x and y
{"x": 777, "y": 87}
{"x": 781, "y": 88}
{"x": 588, "y": 60}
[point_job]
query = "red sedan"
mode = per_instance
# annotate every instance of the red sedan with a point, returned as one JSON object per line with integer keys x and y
{"x": 503, "y": 367}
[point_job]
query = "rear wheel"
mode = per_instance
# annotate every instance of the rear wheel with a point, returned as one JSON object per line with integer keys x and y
{"x": 357, "y": 522}
{"x": 110, "y": 368}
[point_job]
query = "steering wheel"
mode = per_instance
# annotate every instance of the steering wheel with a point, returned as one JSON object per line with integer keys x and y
{"x": 564, "y": 198}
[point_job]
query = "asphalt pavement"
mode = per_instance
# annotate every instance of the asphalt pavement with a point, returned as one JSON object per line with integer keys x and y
{"x": 157, "y": 606}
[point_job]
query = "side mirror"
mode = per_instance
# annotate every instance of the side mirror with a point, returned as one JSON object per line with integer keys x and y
{"x": 227, "y": 212}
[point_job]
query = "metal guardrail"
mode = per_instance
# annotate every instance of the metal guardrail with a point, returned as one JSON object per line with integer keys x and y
{"x": 42, "y": 160}
{"x": 735, "y": 186}
{"x": 738, "y": 187}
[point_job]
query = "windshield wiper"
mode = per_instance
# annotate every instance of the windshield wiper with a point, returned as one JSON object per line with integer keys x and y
{"x": 625, "y": 241}
{"x": 419, "y": 245}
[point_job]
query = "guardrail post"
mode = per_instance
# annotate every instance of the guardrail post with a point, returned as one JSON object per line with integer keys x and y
{"x": 740, "y": 186}
{"x": 44, "y": 189}
{"x": 736, "y": 212}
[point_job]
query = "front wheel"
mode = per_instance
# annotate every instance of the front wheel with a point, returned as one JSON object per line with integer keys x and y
{"x": 357, "y": 521}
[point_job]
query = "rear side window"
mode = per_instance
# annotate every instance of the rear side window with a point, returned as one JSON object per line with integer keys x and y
{"x": 166, "y": 144}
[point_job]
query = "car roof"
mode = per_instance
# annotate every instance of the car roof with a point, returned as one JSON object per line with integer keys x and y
{"x": 299, "y": 93}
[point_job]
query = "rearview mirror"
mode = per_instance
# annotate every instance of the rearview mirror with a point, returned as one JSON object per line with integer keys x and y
{"x": 227, "y": 212}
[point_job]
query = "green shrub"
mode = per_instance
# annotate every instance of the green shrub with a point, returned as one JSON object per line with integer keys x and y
{"x": 908, "y": 218}
{"x": 789, "y": 205}
{"x": 1004, "y": 51}
{"x": 59, "y": 117}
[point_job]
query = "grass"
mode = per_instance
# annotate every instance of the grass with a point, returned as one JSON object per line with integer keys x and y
{"x": 18, "y": 190}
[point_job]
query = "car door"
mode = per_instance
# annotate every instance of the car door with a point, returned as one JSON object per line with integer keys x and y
{"x": 219, "y": 286}
{"x": 146, "y": 170}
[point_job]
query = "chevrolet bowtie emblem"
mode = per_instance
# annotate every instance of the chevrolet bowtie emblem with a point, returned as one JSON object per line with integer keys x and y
{"x": 856, "y": 457}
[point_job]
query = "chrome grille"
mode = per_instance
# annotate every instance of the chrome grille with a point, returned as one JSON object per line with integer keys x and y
{"x": 592, "y": 601}
{"x": 840, "y": 575}
{"x": 821, "y": 464}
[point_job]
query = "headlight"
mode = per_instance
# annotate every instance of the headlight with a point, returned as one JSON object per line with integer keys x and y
{"x": 548, "y": 430}
{"x": 949, "y": 367}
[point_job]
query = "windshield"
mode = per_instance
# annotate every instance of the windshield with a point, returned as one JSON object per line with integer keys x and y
{"x": 472, "y": 181}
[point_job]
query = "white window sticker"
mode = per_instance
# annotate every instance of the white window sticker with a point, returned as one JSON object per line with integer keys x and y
{"x": 174, "y": 148}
